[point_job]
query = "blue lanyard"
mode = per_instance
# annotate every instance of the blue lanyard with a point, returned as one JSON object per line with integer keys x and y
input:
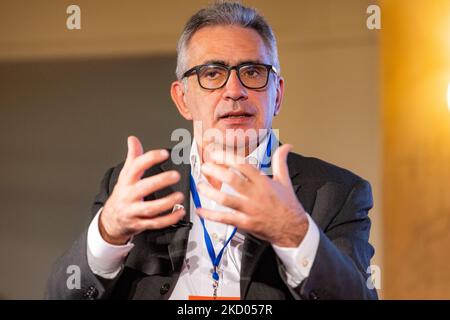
{"x": 212, "y": 254}
{"x": 266, "y": 163}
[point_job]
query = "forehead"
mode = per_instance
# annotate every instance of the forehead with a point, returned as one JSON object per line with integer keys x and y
{"x": 231, "y": 44}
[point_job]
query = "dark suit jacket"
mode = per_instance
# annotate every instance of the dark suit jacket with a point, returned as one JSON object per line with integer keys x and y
{"x": 337, "y": 200}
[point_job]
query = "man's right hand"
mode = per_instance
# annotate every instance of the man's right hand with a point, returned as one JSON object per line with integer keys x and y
{"x": 125, "y": 212}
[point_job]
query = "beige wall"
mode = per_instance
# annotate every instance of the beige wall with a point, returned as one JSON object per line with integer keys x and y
{"x": 331, "y": 111}
{"x": 416, "y": 74}
{"x": 328, "y": 57}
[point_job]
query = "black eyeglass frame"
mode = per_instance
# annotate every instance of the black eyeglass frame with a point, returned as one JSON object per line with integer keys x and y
{"x": 196, "y": 70}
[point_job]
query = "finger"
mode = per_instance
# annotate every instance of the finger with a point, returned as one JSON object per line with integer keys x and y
{"x": 234, "y": 202}
{"x": 235, "y": 218}
{"x": 149, "y": 209}
{"x": 154, "y": 183}
{"x": 239, "y": 183}
{"x": 237, "y": 163}
{"x": 144, "y": 162}
{"x": 134, "y": 150}
{"x": 279, "y": 164}
{"x": 163, "y": 221}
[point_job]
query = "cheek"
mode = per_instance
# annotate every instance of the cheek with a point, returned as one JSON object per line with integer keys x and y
{"x": 201, "y": 107}
{"x": 272, "y": 101}
{"x": 267, "y": 105}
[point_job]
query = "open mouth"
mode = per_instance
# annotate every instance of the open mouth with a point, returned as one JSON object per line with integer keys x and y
{"x": 236, "y": 115}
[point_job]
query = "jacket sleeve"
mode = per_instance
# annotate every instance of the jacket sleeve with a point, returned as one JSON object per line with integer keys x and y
{"x": 71, "y": 276}
{"x": 344, "y": 253}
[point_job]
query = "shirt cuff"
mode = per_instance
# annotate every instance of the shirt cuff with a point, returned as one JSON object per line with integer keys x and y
{"x": 298, "y": 261}
{"x": 104, "y": 259}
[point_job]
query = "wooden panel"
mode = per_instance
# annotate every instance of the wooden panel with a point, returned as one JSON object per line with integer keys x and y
{"x": 416, "y": 59}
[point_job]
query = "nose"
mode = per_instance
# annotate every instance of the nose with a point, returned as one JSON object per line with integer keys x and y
{"x": 234, "y": 89}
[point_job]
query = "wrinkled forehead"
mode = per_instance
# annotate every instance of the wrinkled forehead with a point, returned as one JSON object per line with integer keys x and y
{"x": 229, "y": 45}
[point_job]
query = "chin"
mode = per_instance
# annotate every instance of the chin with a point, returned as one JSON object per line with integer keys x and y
{"x": 239, "y": 138}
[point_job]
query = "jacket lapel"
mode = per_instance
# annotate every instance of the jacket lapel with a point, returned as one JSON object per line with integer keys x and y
{"x": 253, "y": 248}
{"x": 162, "y": 251}
{"x": 178, "y": 245}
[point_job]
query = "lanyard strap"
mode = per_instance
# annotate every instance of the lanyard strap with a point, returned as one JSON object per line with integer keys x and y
{"x": 266, "y": 163}
{"x": 212, "y": 254}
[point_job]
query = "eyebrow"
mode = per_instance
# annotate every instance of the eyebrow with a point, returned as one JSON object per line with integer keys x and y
{"x": 222, "y": 62}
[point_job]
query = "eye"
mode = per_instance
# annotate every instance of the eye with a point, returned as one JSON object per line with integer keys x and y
{"x": 252, "y": 72}
{"x": 211, "y": 74}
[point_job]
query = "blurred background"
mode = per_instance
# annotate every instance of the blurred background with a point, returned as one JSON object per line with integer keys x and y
{"x": 372, "y": 101}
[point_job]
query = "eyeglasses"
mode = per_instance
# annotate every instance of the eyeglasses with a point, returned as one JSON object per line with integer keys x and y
{"x": 215, "y": 76}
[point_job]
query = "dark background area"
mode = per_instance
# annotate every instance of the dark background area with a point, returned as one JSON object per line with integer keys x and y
{"x": 63, "y": 123}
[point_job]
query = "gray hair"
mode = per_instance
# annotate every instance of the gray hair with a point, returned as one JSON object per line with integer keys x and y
{"x": 225, "y": 13}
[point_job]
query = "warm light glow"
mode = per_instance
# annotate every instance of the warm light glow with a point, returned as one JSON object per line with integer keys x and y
{"x": 448, "y": 97}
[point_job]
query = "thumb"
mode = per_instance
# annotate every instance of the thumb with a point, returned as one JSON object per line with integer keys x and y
{"x": 279, "y": 164}
{"x": 134, "y": 149}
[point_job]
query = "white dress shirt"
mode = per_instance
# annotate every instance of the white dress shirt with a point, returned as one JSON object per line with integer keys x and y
{"x": 106, "y": 260}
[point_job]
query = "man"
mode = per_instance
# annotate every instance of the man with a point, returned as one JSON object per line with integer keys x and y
{"x": 299, "y": 233}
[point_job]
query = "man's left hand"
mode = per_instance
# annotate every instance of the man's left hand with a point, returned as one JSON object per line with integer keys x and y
{"x": 267, "y": 208}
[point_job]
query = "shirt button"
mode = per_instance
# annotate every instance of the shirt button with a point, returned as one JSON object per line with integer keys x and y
{"x": 305, "y": 262}
{"x": 253, "y": 161}
{"x": 214, "y": 236}
{"x": 164, "y": 288}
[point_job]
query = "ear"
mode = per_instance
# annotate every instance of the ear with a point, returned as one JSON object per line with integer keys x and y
{"x": 280, "y": 95}
{"x": 177, "y": 91}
